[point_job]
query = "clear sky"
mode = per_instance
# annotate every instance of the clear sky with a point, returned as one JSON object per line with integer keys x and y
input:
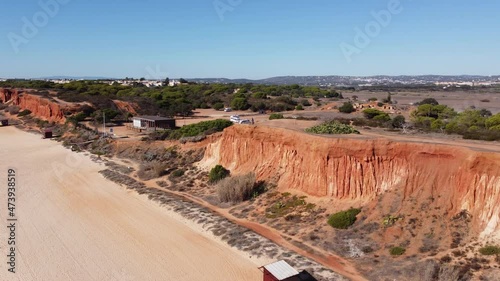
{"x": 247, "y": 38}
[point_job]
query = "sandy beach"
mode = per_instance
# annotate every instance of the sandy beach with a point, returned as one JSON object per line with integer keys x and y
{"x": 73, "y": 224}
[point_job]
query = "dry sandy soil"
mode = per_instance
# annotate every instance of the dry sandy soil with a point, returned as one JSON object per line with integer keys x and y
{"x": 459, "y": 100}
{"x": 75, "y": 225}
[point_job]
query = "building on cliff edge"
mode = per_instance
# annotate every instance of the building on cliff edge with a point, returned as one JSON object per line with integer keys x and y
{"x": 152, "y": 123}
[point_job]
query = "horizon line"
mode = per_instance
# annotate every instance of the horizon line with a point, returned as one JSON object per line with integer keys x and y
{"x": 90, "y": 77}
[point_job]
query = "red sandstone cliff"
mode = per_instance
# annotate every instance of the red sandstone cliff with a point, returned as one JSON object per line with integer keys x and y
{"x": 39, "y": 106}
{"x": 126, "y": 106}
{"x": 346, "y": 169}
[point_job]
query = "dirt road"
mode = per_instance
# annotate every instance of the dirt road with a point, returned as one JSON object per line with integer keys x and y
{"x": 75, "y": 225}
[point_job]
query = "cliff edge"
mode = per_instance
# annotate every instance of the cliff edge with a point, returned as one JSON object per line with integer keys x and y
{"x": 39, "y": 106}
{"x": 457, "y": 178}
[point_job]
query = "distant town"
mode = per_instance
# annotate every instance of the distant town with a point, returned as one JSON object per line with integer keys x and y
{"x": 323, "y": 81}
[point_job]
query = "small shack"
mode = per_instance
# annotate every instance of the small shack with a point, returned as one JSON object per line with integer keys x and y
{"x": 153, "y": 123}
{"x": 282, "y": 271}
{"x": 279, "y": 271}
{"x": 47, "y": 133}
{"x": 4, "y": 121}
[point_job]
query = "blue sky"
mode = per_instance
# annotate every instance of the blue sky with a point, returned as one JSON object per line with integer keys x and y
{"x": 247, "y": 38}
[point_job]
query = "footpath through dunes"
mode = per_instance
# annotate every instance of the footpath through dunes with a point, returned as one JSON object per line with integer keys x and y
{"x": 353, "y": 170}
{"x": 73, "y": 224}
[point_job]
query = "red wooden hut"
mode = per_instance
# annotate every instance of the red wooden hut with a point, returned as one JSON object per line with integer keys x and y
{"x": 282, "y": 271}
{"x": 47, "y": 133}
{"x": 4, "y": 121}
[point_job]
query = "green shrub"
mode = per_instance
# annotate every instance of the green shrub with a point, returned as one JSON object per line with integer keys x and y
{"x": 240, "y": 104}
{"x": 218, "y": 106}
{"x": 437, "y": 124}
{"x": 205, "y": 127}
{"x": 495, "y": 128}
{"x": 486, "y": 135}
{"x": 390, "y": 220}
{"x": 332, "y": 128}
{"x": 343, "y": 219}
{"x": 388, "y": 99}
{"x": 384, "y": 117}
{"x": 430, "y": 101}
{"x": 279, "y": 107}
{"x": 372, "y": 99}
{"x": 217, "y": 174}
{"x": 397, "y": 251}
{"x": 287, "y": 100}
{"x": 177, "y": 173}
{"x": 347, "y": 107}
{"x": 104, "y": 115}
{"x": 236, "y": 189}
{"x": 24, "y": 113}
{"x": 490, "y": 250}
{"x": 76, "y": 118}
{"x": 276, "y": 116}
{"x": 305, "y": 103}
{"x": 493, "y": 121}
{"x": 371, "y": 113}
{"x": 259, "y": 95}
{"x": 299, "y": 107}
{"x": 398, "y": 121}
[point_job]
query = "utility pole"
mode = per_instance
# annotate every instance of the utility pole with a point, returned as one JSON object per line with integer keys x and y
{"x": 104, "y": 123}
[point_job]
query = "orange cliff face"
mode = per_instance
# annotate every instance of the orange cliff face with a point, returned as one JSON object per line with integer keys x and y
{"x": 361, "y": 170}
{"x": 130, "y": 107}
{"x": 39, "y": 106}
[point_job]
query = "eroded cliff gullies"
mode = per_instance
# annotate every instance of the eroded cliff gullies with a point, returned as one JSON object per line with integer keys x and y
{"x": 456, "y": 178}
{"x": 39, "y": 106}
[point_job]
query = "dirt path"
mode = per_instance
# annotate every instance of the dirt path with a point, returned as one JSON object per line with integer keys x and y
{"x": 75, "y": 225}
{"x": 334, "y": 262}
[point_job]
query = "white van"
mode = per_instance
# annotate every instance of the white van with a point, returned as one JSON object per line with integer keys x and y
{"x": 245, "y": 121}
{"x": 235, "y": 119}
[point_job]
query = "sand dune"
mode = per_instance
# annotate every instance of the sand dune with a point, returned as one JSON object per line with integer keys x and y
{"x": 75, "y": 225}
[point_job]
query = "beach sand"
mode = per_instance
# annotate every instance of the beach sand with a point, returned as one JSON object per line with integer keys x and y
{"x": 75, "y": 225}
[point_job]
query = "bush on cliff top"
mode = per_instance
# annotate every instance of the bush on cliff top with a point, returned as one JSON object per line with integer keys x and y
{"x": 347, "y": 107}
{"x": 332, "y": 128}
{"x": 274, "y": 116}
{"x": 343, "y": 219}
{"x": 205, "y": 127}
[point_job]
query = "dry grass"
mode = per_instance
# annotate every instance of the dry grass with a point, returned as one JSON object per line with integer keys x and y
{"x": 159, "y": 169}
{"x": 13, "y": 109}
{"x": 236, "y": 189}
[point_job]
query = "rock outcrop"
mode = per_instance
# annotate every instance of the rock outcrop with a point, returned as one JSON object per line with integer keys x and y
{"x": 124, "y": 106}
{"x": 457, "y": 178}
{"x": 39, "y": 106}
